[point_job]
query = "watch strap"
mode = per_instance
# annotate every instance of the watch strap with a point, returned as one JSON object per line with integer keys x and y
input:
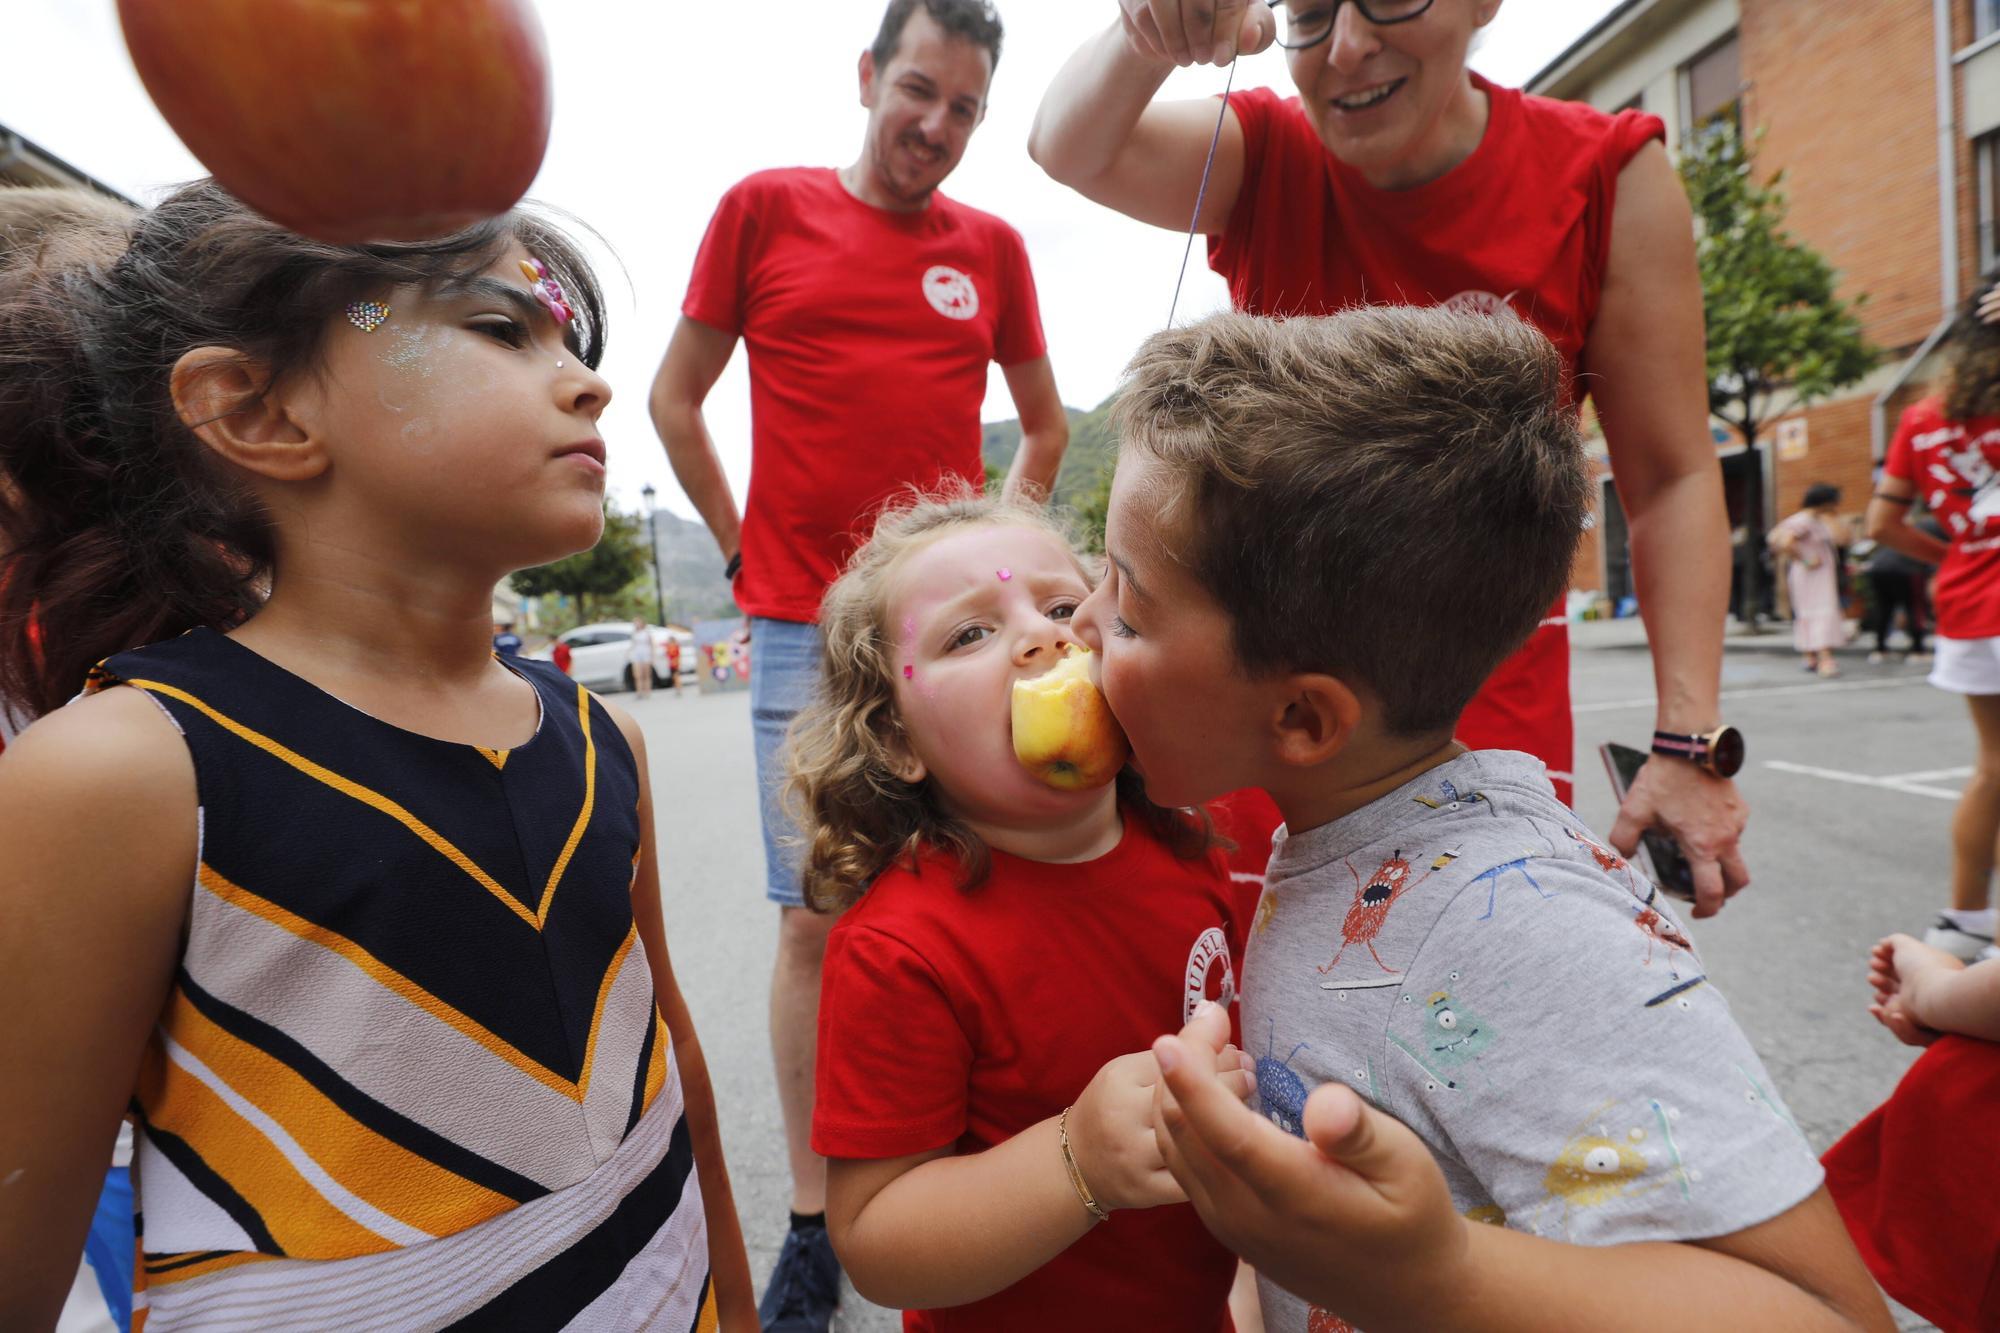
{"x": 1681, "y": 746}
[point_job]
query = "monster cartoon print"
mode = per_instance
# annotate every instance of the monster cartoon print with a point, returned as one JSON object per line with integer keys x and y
{"x": 1594, "y": 1168}
{"x": 1455, "y": 1034}
{"x": 1280, "y": 1091}
{"x": 1607, "y": 860}
{"x": 1492, "y": 880}
{"x": 1659, "y": 930}
{"x": 1369, "y": 911}
{"x": 1453, "y": 1038}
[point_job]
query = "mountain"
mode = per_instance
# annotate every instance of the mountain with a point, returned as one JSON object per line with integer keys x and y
{"x": 1088, "y": 461}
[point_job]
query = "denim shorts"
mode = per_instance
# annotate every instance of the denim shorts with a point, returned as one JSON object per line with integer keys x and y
{"x": 784, "y": 668}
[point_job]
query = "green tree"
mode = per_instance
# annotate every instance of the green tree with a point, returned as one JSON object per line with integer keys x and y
{"x": 1090, "y": 511}
{"x": 1779, "y": 338}
{"x": 604, "y": 571}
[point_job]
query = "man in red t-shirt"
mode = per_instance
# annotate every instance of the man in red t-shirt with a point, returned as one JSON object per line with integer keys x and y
{"x": 1398, "y": 175}
{"x": 871, "y": 306}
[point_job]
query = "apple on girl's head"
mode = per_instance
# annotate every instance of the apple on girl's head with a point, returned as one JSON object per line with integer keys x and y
{"x": 353, "y": 120}
{"x": 1064, "y": 732}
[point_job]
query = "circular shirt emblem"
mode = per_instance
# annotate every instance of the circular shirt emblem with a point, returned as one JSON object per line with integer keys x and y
{"x": 950, "y": 292}
{"x": 1208, "y": 966}
{"x": 1479, "y": 303}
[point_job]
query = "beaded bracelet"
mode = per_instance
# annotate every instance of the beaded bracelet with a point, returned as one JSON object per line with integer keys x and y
{"x": 1075, "y": 1175}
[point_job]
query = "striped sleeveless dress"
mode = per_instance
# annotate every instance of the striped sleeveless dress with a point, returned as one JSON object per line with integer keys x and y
{"x": 410, "y": 1074}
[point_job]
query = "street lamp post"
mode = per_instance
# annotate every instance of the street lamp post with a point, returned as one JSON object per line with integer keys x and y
{"x": 646, "y": 494}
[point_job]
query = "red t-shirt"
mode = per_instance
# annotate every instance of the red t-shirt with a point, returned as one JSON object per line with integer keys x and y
{"x": 1916, "y": 1181}
{"x": 1522, "y": 226}
{"x": 959, "y": 1017}
{"x": 869, "y": 335}
{"x": 1954, "y": 466}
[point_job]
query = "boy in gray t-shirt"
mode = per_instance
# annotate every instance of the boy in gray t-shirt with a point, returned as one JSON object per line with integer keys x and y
{"x": 1462, "y": 1007}
{"x": 1467, "y": 956}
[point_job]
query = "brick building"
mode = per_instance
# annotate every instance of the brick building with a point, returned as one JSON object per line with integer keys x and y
{"x": 1884, "y": 116}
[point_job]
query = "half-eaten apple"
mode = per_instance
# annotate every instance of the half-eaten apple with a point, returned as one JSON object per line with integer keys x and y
{"x": 1064, "y": 732}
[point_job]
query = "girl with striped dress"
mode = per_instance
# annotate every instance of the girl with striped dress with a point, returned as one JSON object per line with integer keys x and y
{"x": 357, "y": 923}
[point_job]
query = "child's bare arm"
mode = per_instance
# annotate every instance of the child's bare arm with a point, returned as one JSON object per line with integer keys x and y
{"x": 1944, "y": 994}
{"x": 728, "y": 1264}
{"x": 931, "y": 1230}
{"x": 1797, "y": 1271}
{"x": 97, "y": 816}
{"x": 1358, "y": 1218}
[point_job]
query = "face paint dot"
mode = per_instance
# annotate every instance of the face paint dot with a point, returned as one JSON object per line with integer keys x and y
{"x": 909, "y": 673}
{"x": 1006, "y": 574}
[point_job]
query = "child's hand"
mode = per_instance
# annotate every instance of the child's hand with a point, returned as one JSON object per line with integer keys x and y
{"x": 1111, "y": 1128}
{"x": 1357, "y": 1218}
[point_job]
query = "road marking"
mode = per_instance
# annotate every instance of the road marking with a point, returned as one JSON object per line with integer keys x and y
{"x": 1617, "y": 705}
{"x": 1931, "y": 775}
{"x": 1863, "y": 780}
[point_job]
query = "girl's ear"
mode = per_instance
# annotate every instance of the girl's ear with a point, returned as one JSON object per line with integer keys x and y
{"x": 905, "y": 765}
{"x": 227, "y": 401}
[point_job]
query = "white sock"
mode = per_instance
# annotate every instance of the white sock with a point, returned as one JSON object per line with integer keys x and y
{"x": 1973, "y": 922}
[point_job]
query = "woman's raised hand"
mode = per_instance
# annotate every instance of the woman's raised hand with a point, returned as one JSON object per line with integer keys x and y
{"x": 1989, "y": 304}
{"x": 1198, "y": 32}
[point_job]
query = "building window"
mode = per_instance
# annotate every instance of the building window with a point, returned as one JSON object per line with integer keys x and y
{"x": 1712, "y": 87}
{"x": 1985, "y": 17}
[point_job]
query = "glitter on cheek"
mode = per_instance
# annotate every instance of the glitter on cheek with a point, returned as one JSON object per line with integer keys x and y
{"x": 1006, "y": 575}
{"x": 409, "y": 350}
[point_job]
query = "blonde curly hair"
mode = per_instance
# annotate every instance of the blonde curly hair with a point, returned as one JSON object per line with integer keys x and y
{"x": 856, "y": 817}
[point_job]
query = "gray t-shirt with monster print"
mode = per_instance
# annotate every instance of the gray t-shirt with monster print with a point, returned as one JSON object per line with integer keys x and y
{"x": 1467, "y": 956}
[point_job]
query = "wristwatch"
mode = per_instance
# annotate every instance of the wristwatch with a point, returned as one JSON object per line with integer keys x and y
{"x": 729, "y": 570}
{"x": 1719, "y": 751}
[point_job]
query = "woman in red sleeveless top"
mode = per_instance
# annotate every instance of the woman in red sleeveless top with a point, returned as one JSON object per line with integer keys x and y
{"x": 1398, "y": 175}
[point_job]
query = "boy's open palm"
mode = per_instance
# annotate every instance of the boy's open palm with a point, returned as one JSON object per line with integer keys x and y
{"x": 1355, "y": 1217}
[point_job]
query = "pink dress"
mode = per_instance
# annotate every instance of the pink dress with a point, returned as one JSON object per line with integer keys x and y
{"x": 1814, "y": 581}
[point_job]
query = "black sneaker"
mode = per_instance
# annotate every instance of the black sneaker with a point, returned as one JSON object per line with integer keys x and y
{"x": 805, "y": 1286}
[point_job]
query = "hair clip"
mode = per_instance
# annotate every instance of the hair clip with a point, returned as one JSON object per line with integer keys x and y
{"x": 547, "y": 290}
{"x": 367, "y": 315}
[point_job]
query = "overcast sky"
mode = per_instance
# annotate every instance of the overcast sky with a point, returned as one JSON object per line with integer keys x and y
{"x": 661, "y": 107}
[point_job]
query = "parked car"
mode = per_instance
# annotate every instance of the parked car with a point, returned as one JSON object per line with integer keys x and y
{"x": 600, "y": 654}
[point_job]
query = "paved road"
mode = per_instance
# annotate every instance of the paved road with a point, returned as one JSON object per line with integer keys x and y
{"x": 1850, "y": 784}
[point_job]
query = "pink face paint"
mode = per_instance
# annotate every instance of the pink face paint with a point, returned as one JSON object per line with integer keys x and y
{"x": 909, "y": 672}
{"x": 1006, "y": 574}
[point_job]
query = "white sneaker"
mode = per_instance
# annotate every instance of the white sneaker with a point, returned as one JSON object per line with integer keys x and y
{"x": 1955, "y": 940}
{"x": 1877, "y": 659}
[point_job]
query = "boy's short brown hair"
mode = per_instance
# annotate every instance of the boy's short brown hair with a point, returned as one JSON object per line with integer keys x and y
{"x": 1392, "y": 496}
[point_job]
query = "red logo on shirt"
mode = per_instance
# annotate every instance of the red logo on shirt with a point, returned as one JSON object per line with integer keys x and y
{"x": 1210, "y": 949}
{"x": 950, "y": 292}
{"x": 1480, "y": 303}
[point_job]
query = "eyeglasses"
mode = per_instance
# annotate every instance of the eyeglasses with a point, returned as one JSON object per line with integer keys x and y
{"x": 1310, "y": 22}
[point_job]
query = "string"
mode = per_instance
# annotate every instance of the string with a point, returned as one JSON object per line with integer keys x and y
{"x": 1202, "y": 193}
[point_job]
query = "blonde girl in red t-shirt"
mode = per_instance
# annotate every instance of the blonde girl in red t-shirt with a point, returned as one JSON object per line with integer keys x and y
{"x": 956, "y": 867}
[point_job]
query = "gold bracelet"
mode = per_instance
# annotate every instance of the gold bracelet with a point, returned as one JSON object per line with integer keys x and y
{"x": 1076, "y": 1175}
